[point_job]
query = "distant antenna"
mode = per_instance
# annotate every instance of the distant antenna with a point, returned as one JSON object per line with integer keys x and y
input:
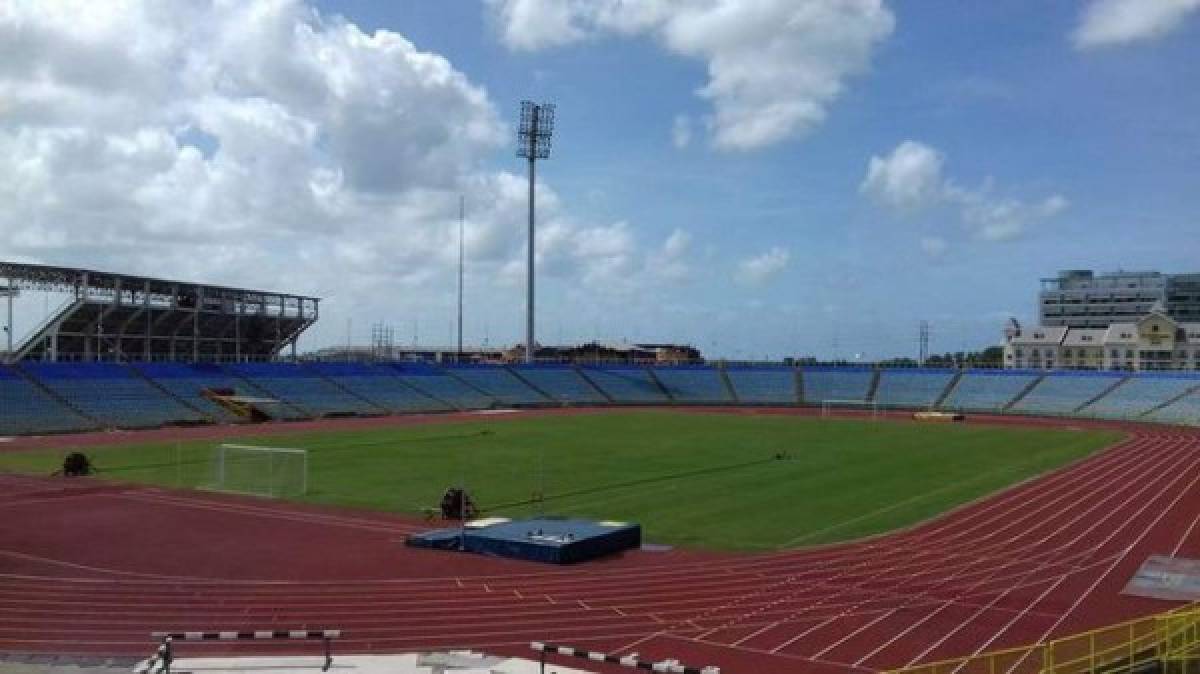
{"x": 533, "y": 143}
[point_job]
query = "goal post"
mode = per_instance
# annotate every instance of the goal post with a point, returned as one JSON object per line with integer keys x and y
{"x": 830, "y": 404}
{"x": 261, "y": 471}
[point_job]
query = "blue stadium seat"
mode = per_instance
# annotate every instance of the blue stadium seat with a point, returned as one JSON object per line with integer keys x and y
{"x": 188, "y": 381}
{"x": 562, "y": 383}
{"x": 302, "y": 388}
{"x": 1140, "y": 394}
{"x": 912, "y": 387}
{"x": 26, "y": 409}
{"x": 114, "y": 394}
{"x": 835, "y": 383}
{"x": 1064, "y": 392}
{"x": 498, "y": 382}
{"x": 763, "y": 384}
{"x": 988, "y": 390}
{"x": 693, "y": 383}
{"x": 435, "y": 382}
{"x": 382, "y": 386}
{"x": 1186, "y": 410}
{"x": 625, "y": 383}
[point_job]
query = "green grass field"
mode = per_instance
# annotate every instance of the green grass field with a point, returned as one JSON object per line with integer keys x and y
{"x": 709, "y": 481}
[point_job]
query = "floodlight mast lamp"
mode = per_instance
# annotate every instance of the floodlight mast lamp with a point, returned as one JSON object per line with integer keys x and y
{"x": 533, "y": 143}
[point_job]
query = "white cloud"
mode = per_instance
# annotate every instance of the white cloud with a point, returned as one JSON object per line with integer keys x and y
{"x": 681, "y": 131}
{"x": 934, "y": 246}
{"x": 774, "y": 66}
{"x": 759, "y": 269}
{"x": 1116, "y": 22}
{"x": 259, "y": 142}
{"x": 912, "y": 177}
{"x": 908, "y": 178}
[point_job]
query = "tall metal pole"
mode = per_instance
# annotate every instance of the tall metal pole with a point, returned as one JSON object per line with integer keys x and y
{"x": 9, "y": 326}
{"x": 462, "y": 214}
{"x": 529, "y": 280}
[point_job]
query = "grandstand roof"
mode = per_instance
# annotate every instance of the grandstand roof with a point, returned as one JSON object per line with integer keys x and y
{"x": 117, "y": 316}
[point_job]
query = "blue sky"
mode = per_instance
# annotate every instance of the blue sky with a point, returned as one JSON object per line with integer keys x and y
{"x": 1012, "y": 139}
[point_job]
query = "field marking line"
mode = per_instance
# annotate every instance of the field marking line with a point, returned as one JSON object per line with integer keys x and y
{"x": 543, "y": 575}
{"x": 1184, "y": 537}
{"x": 1127, "y": 518}
{"x": 1091, "y": 588}
{"x": 1172, "y": 458}
{"x": 1006, "y": 543}
{"x": 913, "y": 499}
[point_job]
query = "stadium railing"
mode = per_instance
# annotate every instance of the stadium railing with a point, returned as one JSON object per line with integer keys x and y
{"x": 1168, "y": 642}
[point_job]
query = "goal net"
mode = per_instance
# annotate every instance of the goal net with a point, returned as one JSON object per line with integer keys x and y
{"x": 865, "y": 405}
{"x": 262, "y": 471}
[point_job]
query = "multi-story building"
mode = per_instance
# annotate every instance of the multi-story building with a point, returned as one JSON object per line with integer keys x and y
{"x": 1155, "y": 341}
{"x": 1080, "y": 298}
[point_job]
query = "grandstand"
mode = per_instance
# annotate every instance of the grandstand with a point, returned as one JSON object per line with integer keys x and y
{"x": 1138, "y": 395}
{"x": 498, "y": 383}
{"x": 626, "y": 384}
{"x": 303, "y": 389}
{"x": 109, "y": 316}
{"x": 112, "y": 394}
{"x": 988, "y": 390}
{"x": 437, "y": 384}
{"x": 1065, "y": 392}
{"x": 1183, "y": 410}
{"x": 912, "y": 387}
{"x": 764, "y": 385}
{"x": 188, "y": 382}
{"x": 27, "y": 409}
{"x": 693, "y": 384}
{"x": 560, "y": 382}
{"x": 836, "y": 383}
{"x": 380, "y": 386}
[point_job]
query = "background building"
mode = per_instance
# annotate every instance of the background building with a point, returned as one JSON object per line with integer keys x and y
{"x": 1080, "y": 298}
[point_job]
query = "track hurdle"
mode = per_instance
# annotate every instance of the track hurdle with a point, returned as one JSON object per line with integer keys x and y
{"x": 164, "y": 655}
{"x": 666, "y": 666}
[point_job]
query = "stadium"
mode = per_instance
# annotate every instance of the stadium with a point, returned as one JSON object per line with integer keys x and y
{"x": 804, "y": 518}
{"x": 653, "y": 405}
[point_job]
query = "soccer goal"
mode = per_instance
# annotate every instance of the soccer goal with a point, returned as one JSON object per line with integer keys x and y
{"x": 866, "y": 405}
{"x": 261, "y": 471}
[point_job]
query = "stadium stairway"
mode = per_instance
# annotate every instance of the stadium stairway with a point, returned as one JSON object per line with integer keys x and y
{"x": 728, "y": 384}
{"x": 987, "y": 390}
{"x": 949, "y": 389}
{"x": 757, "y": 385}
{"x": 187, "y": 382}
{"x": 27, "y": 407}
{"x": 1173, "y": 400}
{"x": 498, "y": 382}
{"x": 381, "y": 387}
{"x": 560, "y": 383}
{"x": 112, "y": 394}
{"x": 1024, "y": 392}
{"x": 1117, "y": 384}
{"x": 440, "y": 385}
{"x": 304, "y": 389}
{"x": 693, "y": 384}
{"x": 626, "y": 384}
{"x": 211, "y": 418}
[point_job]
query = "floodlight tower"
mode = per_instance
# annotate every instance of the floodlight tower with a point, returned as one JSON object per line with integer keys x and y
{"x": 533, "y": 143}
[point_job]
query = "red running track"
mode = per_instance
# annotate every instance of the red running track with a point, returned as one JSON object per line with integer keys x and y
{"x": 92, "y": 568}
